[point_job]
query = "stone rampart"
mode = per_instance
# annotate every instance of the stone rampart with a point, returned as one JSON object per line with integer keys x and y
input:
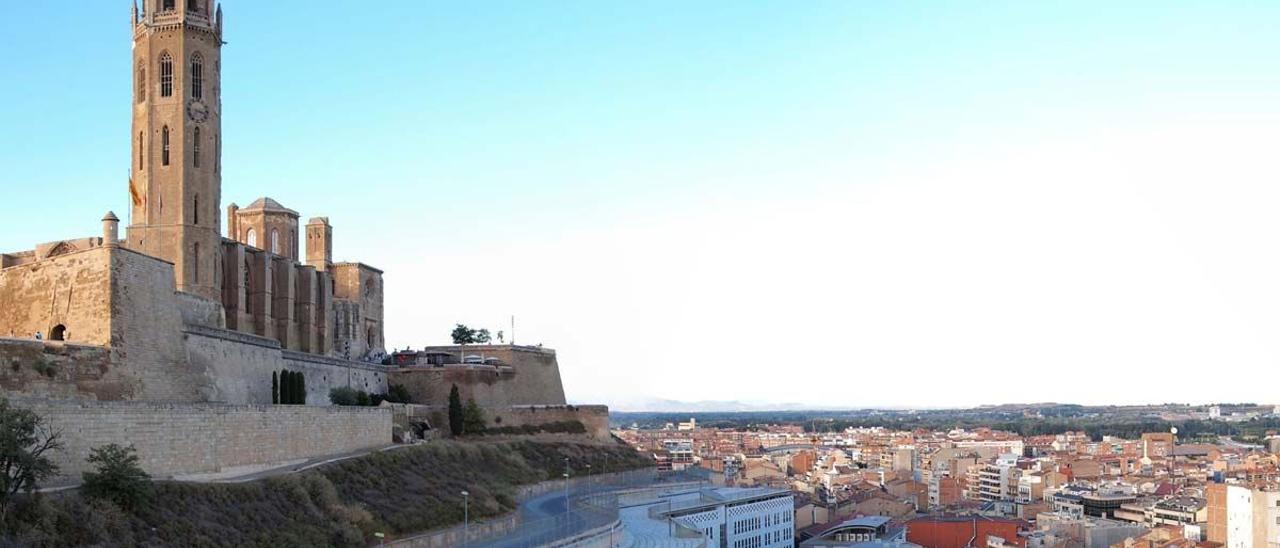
{"x": 241, "y": 365}
{"x": 184, "y": 438}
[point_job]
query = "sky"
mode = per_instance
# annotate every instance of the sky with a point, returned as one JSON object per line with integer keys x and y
{"x": 849, "y": 204}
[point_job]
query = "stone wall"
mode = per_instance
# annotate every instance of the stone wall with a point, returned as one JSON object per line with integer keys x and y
{"x": 72, "y": 290}
{"x": 594, "y": 417}
{"x": 176, "y": 439}
{"x": 531, "y": 376}
{"x": 61, "y": 370}
{"x": 241, "y": 364}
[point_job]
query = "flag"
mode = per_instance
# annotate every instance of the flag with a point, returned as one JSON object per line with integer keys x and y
{"x": 133, "y": 193}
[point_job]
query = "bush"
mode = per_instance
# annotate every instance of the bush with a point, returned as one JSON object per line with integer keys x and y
{"x": 118, "y": 479}
{"x": 397, "y": 393}
{"x": 343, "y": 395}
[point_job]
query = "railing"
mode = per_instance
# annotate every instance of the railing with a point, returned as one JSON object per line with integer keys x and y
{"x": 592, "y": 507}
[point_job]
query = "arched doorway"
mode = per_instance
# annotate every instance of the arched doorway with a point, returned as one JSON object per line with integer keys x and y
{"x": 58, "y": 333}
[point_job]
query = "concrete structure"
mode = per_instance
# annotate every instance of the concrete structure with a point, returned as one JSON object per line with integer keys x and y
{"x": 728, "y": 517}
{"x": 867, "y": 531}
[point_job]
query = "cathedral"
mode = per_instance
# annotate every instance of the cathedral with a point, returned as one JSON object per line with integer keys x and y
{"x": 177, "y": 309}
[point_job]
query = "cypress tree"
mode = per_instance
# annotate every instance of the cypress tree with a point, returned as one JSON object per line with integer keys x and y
{"x": 455, "y": 411}
{"x": 302, "y": 388}
{"x": 275, "y": 388}
{"x": 286, "y": 387}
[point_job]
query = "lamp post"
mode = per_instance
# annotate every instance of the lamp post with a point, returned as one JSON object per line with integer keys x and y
{"x": 466, "y": 518}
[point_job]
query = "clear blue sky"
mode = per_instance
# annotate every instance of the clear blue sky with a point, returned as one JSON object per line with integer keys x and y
{"x": 706, "y": 183}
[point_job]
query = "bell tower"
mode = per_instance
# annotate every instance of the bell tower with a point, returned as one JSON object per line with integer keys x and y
{"x": 176, "y": 174}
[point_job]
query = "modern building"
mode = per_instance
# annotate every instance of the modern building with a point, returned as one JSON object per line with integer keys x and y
{"x": 863, "y": 532}
{"x": 1242, "y": 517}
{"x": 722, "y": 517}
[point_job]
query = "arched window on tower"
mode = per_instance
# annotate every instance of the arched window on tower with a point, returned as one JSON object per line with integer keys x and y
{"x": 164, "y": 146}
{"x": 195, "y": 147}
{"x": 166, "y": 75}
{"x": 142, "y": 81}
{"x": 195, "y": 210}
{"x": 251, "y": 238}
{"x": 275, "y": 241}
{"x": 197, "y": 76}
{"x": 168, "y": 5}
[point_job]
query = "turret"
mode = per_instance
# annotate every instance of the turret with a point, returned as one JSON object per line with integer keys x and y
{"x": 110, "y": 230}
{"x": 319, "y": 243}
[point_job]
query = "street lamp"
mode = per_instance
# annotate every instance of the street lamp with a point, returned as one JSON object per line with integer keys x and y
{"x": 466, "y": 518}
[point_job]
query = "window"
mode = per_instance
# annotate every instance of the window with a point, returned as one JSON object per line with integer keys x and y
{"x": 195, "y": 147}
{"x": 195, "y": 210}
{"x": 142, "y": 81}
{"x": 193, "y": 5}
{"x": 141, "y": 155}
{"x": 168, "y": 5}
{"x": 275, "y": 241}
{"x": 166, "y": 75}
{"x": 252, "y": 238}
{"x": 164, "y": 146}
{"x": 197, "y": 76}
{"x": 195, "y": 262}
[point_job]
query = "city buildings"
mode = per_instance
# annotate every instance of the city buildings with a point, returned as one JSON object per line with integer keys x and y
{"x": 727, "y": 517}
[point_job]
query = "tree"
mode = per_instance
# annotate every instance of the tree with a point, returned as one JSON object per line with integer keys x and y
{"x": 462, "y": 336}
{"x": 118, "y": 478}
{"x": 25, "y": 439}
{"x": 500, "y": 337}
{"x": 483, "y": 336}
{"x": 275, "y": 387}
{"x": 300, "y": 391}
{"x": 455, "y": 411}
{"x": 286, "y": 387}
{"x": 472, "y": 418}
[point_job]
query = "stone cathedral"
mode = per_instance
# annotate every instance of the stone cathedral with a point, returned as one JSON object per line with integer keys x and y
{"x": 179, "y": 309}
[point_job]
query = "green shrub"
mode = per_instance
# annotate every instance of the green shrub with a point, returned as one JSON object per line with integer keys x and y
{"x": 118, "y": 478}
{"x": 472, "y": 418}
{"x": 343, "y": 395}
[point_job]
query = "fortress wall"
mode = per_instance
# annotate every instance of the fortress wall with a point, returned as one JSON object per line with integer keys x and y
{"x": 146, "y": 330}
{"x": 323, "y": 373}
{"x": 61, "y": 370}
{"x": 181, "y": 438}
{"x": 241, "y": 364}
{"x": 72, "y": 290}
{"x": 532, "y": 378}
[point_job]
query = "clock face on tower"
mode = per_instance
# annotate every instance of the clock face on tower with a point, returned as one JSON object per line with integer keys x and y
{"x": 197, "y": 111}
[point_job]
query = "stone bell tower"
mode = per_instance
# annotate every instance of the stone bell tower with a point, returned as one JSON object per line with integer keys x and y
{"x": 176, "y": 175}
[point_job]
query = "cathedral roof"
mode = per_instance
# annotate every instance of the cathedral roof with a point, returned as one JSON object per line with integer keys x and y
{"x": 267, "y": 204}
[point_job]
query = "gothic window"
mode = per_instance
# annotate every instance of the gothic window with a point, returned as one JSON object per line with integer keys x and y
{"x": 197, "y": 77}
{"x": 275, "y": 241}
{"x": 166, "y": 75}
{"x": 142, "y": 81}
{"x": 252, "y": 238}
{"x": 164, "y": 146}
{"x": 168, "y": 5}
{"x": 195, "y": 147}
{"x": 195, "y": 210}
{"x": 195, "y": 262}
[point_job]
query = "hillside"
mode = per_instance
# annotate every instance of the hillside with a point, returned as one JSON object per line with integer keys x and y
{"x": 341, "y": 504}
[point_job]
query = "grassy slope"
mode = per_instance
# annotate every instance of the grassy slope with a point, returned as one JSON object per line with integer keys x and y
{"x": 341, "y": 504}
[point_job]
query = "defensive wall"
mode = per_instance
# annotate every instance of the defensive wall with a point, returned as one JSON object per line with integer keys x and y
{"x": 594, "y": 417}
{"x": 529, "y": 376}
{"x": 129, "y": 335}
{"x": 186, "y": 438}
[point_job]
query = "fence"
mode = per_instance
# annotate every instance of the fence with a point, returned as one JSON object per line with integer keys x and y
{"x": 564, "y": 510}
